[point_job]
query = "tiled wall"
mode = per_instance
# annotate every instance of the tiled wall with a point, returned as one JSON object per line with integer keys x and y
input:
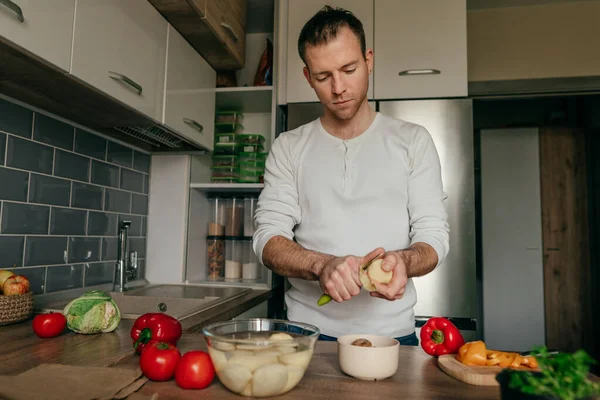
{"x": 63, "y": 191}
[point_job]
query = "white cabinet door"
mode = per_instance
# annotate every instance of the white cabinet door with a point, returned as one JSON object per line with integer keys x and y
{"x": 45, "y": 28}
{"x": 420, "y": 49}
{"x": 119, "y": 47}
{"x": 190, "y": 92}
{"x": 299, "y": 12}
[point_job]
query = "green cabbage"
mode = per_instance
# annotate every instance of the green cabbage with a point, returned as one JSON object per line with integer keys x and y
{"x": 93, "y": 312}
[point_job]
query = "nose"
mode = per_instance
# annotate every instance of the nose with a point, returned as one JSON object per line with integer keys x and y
{"x": 338, "y": 85}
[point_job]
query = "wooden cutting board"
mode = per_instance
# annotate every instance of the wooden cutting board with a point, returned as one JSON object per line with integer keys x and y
{"x": 474, "y": 375}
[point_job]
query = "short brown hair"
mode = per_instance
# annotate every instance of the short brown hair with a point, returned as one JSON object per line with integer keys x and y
{"x": 324, "y": 26}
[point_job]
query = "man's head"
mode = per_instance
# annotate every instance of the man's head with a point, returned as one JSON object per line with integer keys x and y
{"x": 332, "y": 46}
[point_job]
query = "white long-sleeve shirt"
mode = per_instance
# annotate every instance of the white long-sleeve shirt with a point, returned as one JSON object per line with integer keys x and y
{"x": 348, "y": 197}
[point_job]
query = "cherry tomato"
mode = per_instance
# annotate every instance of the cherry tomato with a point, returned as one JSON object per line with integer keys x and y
{"x": 158, "y": 360}
{"x": 49, "y": 325}
{"x": 195, "y": 370}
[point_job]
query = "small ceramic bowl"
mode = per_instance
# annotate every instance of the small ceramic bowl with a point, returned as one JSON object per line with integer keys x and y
{"x": 368, "y": 363}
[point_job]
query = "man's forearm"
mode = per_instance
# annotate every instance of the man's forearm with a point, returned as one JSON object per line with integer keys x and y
{"x": 420, "y": 259}
{"x": 287, "y": 258}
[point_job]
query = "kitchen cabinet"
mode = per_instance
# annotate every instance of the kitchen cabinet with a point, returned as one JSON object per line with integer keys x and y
{"x": 420, "y": 49}
{"x": 44, "y": 28}
{"x": 119, "y": 47}
{"x": 190, "y": 92}
{"x": 215, "y": 28}
{"x": 299, "y": 12}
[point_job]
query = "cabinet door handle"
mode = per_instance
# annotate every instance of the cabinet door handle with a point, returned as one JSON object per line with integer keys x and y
{"x": 231, "y": 31}
{"x": 14, "y": 8}
{"x": 120, "y": 77}
{"x": 419, "y": 72}
{"x": 194, "y": 124}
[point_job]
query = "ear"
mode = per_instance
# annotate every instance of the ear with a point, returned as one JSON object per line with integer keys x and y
{"x": 369, "y": 59}
{"x": 307, "y": 76}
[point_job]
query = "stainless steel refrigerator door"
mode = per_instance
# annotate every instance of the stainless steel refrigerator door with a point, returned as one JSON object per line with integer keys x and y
{"x": 451, "y": 289}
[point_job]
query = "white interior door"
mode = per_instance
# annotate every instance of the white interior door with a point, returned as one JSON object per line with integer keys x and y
{"x": 513, "y": 282}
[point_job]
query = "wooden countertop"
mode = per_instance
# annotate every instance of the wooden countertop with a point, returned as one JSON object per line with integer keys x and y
{"x": 418, "y": 376}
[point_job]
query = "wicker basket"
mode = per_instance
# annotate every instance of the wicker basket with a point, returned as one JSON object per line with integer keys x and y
{"x": 15, "y": 308}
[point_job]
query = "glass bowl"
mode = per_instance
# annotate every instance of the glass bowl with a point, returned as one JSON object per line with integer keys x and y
{"x": 260, "y": 357}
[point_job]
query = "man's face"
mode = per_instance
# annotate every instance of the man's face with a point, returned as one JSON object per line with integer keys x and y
{"x": 339, "y": 73}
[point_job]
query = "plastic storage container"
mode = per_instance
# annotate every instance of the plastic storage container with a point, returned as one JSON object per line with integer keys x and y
{"x": 234, "y": 225}
{"x": 250, "y": 265}
{"x": 250, "y": 148}
{"x": 215, "y": 257}
{"x": 225, "y": 161}
{"x": 249, "y": 209}
{"x": 229, "y": 127}
{"x": 228, "y": 149}
{"x": 224, "y": 180}
{"x": 251, "y": 139}
{"x": 260, "y": 156}
{"x": 226, "y": 138}
{"x": 224, "y": 172}
{"x": 216, "y": 220}
{"x": 233, "y": 258}
{"x": 251, "y": 176}
{"x": 229, "y": 116}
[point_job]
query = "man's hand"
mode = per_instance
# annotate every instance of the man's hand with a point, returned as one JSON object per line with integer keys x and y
{"x": 395, "y": 262}
{"x": 339, "y": 276}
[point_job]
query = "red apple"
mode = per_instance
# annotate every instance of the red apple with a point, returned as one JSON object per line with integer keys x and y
{"x": 4, "y": 274}
{"x": 15, "y": 285}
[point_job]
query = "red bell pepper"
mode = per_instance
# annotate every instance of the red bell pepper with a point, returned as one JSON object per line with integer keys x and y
{"x": 440, "y": 336}
{"x": 155, "y": 327}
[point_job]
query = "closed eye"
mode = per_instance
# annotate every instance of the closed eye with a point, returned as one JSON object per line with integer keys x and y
{"x": 350, "y": 71}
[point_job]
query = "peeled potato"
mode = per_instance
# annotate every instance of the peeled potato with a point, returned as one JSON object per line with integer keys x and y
{"x": 269, "y": 380}
{"x": 222, "y": 345}
{"x": 279, "y": 336}
{"x": 286, "y": 349}
{"x": 253, "y": 347}
{"x": 252, "y": 362}
{"x": 301, "y": 358}
{"x": 295, "y": 374}
{"x": 247, "y": 390}
{"x": 235, "y": 377}
{"x": 219, "y": 359}
{"x": 374, "y": 273}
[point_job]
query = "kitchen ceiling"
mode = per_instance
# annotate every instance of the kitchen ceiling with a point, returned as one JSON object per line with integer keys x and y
{"x": 484, "y": 4}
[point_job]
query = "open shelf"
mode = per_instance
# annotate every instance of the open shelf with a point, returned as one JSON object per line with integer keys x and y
{"x": 248, "y": 99}
{"x": 228, "y": 187}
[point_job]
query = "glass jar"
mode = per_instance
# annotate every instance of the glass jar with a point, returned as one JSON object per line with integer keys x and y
{"x": 216, "y": 220}
{"x": 250, "y": 267}
{"x": 233, "y": 258}
{"x": 249, "y": 209}
{"x": 234, "y": 225}
{"x": 215, "y": 252}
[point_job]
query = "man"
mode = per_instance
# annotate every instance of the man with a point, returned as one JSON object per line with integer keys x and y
{"x": 347, "y": 186}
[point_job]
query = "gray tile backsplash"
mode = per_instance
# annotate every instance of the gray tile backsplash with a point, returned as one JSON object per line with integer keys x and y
{"x": 67, "y": 221}
{"x": 72, "y": 166}
{"x": 63, "y": 193}
{"x": 47, "y": 190}
{"x": 15, "y": 119}
{"x": 14, "y": 184}
{"x": 51, "y": 131}
{"x": 105, "y": 174}
{"x": 28, "y": 155}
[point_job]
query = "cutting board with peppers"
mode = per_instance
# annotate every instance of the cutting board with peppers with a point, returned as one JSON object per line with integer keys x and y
{"x": 476, "y": 365}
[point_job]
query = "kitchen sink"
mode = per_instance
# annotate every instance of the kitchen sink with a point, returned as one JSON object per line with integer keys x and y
{"x": 179, "y": 301}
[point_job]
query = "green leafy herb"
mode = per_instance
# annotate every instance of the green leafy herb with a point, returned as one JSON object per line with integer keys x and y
{"x": 562, "y": 375}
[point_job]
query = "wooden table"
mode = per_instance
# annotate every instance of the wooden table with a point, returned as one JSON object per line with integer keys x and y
{"x": 418, "y": 376}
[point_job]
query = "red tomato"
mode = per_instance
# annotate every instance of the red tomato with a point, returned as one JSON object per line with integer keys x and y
{"x": 158, "y": 360}
{"x": 49, "y": 325}
{"x": 195, "y": 370}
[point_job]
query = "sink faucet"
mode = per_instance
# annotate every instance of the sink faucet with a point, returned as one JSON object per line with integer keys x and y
{"x": 125, "y": 267}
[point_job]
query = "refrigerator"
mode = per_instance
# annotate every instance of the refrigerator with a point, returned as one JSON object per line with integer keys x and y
{"x": 452, "y": 290}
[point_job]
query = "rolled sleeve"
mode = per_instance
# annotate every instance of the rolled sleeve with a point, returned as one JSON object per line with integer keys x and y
{"x": 426, "y": 197}
{"x": 278, "y": 211}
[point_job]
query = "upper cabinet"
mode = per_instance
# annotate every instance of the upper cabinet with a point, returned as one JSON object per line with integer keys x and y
{"x": 119, "y": 47}
{"x": 299, "y": 12}
{"x": 215, "y": 28}
{"x": 44, "y": 28}
{"x": 190, "y": 92}
{"x": 420, "y": 49}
